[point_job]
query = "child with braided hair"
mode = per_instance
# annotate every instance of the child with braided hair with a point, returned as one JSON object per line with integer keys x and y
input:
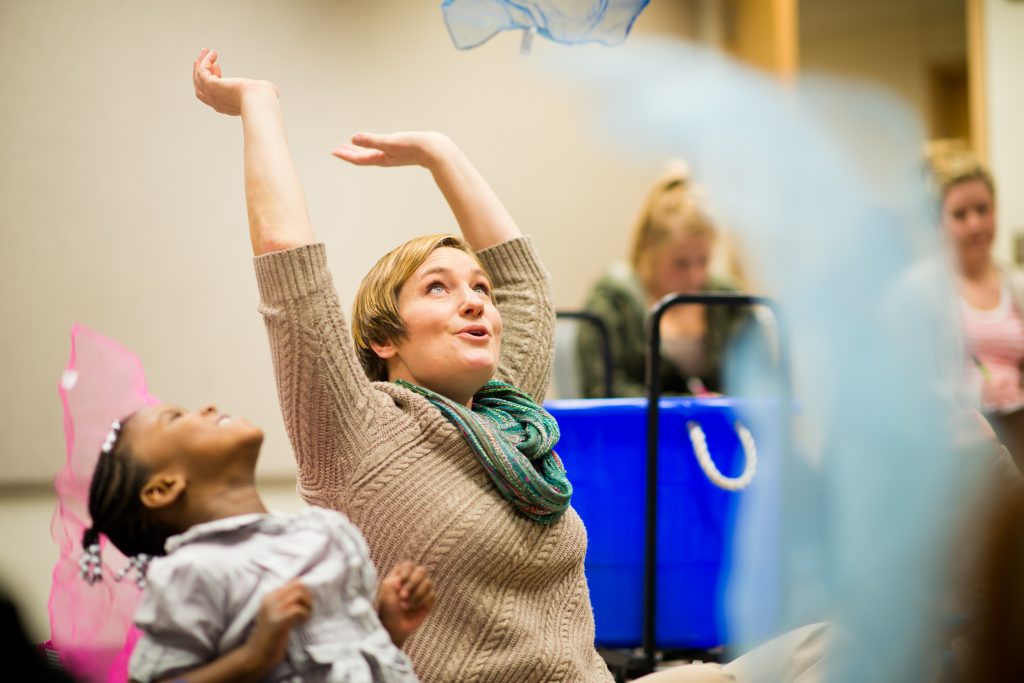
{"x": 232, "y": 592}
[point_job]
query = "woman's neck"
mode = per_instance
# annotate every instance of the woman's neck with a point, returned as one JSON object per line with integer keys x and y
{"x": 459, "y": 393}
{"x": 975, "y": 270}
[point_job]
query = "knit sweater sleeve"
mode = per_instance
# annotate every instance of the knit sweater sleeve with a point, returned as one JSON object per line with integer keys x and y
{"x": 333, "y": 415}
{"x": 522, "y": 290}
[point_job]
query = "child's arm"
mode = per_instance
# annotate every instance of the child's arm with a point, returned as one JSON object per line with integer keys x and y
{"x": 405, "y": 598}
{"x": 280, "y": 611}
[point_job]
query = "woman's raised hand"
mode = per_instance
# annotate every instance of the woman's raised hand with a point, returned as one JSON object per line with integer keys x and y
{"x": 278, "y": 218}
{"x": 483, "y": 219}
{"x": 393, "y": 149}
{"x": 222, "y": 94}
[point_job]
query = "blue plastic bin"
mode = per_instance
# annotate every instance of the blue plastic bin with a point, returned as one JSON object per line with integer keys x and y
{"x": 603, "y": 446}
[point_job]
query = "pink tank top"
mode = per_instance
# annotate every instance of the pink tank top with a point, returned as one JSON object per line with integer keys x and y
{"x": 995, "y": 344}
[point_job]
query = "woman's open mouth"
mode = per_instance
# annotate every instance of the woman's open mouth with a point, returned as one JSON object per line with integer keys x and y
{"x": 474, "y": 332}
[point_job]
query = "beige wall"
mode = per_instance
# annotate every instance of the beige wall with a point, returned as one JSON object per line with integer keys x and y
{"x": 123, "y": 210}
{"x": 28, "y": 553}
{"x": 1004, "y": 57}
{"x": 890, "y": 42}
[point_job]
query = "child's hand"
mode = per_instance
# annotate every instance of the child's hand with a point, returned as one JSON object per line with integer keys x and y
{"x": 405, "y": 598}
{"x": 280, "y": 611}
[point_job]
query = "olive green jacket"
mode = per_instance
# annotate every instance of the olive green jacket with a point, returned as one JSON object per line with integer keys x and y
{"x": 618, "y": 299}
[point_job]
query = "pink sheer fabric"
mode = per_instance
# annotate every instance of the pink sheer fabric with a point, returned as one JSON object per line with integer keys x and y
{"x": 90, "y": 626}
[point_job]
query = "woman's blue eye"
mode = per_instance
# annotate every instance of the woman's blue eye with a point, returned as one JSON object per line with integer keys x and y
{"x": 435, "y": 287}
{"x": 483, "y": 289}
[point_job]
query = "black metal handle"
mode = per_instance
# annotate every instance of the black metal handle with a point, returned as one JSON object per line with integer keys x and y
{"x": 606, "y": 342}
{"x": 653, "y": 381}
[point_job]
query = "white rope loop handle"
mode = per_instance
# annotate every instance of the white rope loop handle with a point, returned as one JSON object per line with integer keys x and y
{"x": 700, "y": 449}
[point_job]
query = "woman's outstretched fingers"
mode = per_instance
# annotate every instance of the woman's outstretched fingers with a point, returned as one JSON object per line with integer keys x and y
{"x": 195, "y": 62}
{"x": 212, "y": 65}
{"x": 201, "y": 73}
{"x": 368, "y": 140}
{"x": 195, "y": 65}
{"x": 388, "y": 143}
{"x": 360, "y": 156}
{"x": 206, "y": 57}
{"x": 391, "y": 149}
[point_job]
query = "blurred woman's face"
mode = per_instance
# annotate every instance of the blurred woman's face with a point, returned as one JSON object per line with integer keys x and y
{"x": 682, "y": 266}
{"x": 968, "y": 216}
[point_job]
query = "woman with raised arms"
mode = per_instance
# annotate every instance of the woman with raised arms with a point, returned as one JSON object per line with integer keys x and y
{"x": 427, "y": 431}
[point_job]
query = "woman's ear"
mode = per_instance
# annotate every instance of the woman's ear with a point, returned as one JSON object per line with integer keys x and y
{"x": 384, "y": 350}
{"x": 162, "y": 490}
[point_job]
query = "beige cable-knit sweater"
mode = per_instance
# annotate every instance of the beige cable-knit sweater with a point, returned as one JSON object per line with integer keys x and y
{"x": 512, "y": 598}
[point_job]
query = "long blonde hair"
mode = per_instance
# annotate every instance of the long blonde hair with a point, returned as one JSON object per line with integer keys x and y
{"x": 952, "y": 162}
{"x": 672, "y": 209}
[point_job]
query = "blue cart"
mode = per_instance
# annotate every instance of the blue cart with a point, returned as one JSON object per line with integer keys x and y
{"x": 660, "y": 533}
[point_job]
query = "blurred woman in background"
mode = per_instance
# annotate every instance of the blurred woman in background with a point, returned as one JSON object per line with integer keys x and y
{"x": 991, "y": 297}
{"x": 671, "y": 252}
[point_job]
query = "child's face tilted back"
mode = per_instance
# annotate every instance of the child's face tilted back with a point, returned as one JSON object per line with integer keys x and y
{"x": 200, "y": 441}
{"x": 165, "y": 470}
{"x": 203, "y": 451}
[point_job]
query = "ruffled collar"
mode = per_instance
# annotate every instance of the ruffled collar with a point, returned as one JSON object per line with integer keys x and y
{"x": 217, "y": 526}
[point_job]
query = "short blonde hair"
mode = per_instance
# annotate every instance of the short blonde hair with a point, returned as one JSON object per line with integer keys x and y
{"x": 375, "y": 316}
{"x": 672, "y": 209}
{"x": 952, "y": 162}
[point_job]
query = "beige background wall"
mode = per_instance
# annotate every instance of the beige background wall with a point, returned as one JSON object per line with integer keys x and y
{"x": 890, "y": 42}
{"x": 1004, "y": 57}
{"x": 122, "y": 204}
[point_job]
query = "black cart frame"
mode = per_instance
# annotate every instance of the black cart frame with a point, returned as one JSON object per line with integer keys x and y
{"x": 645, "y": 661}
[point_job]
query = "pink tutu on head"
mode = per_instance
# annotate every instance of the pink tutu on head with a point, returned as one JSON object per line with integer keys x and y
{"x": 91, "y": 625}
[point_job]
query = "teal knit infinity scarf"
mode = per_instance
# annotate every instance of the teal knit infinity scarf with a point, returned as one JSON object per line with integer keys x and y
{"x": 512, "y": 436}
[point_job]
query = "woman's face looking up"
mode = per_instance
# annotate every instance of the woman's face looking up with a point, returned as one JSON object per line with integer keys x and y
{"x": 452, "y": 341}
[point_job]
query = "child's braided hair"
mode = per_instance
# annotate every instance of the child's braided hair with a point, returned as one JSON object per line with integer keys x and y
{"x": 115, "y": 504}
